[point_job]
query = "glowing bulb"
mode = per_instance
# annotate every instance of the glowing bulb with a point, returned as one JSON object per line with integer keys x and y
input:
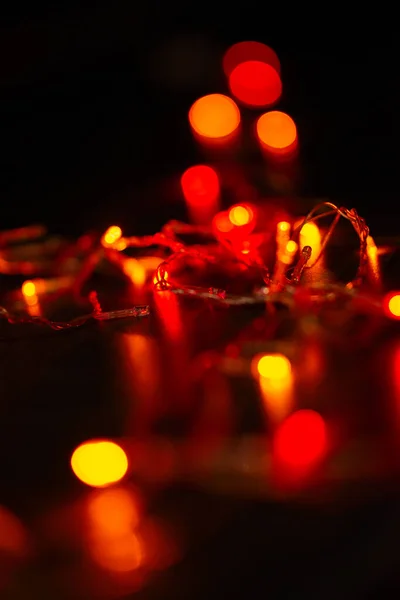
{"x": 255, "y": 83}
{"x": 392, "y": 305}
{"x": 276, "y": 131}
{"x": 301, "y": 440}
{"x": 214, "y": 116}
{"x": 112, "y": 235}
{"x": 291, "y": 247}
{"x": 310, "y": 235}
{"x": 283, "y": 226}
{"x": 28, "y": 289}
{"x": 200, "y": 185}
{"x": 240, "y": 215}
{"x": 99, "y": 463}
{"x": 273, "y": 366}
{"x": 222, "y": 223}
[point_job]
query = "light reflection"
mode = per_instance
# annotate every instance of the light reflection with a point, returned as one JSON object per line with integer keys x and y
{"x": 374, "y": 270}
{"x": 141, "y": 361}
{"x": 112, "y": 519}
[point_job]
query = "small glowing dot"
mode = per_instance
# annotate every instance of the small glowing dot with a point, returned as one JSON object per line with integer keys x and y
{"x": 99, "y": 463}
{"x": 274, "y": 366}
{"x": 284, "y": 226}
{"x": 112, "y": 234}
{"x": 214, "y": 116}
{"x": 240, "y": 215}
{"x": 276, "y": 130}
{"x": 291, "y": 247}
{"x": 28, "y": 289}
{"x": 393, "y": 305}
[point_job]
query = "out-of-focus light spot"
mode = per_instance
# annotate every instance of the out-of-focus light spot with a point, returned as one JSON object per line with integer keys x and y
{"x": 283, "y": 226}
{"x": 255, "y": 83}
{"x": 374, "y": 271}
{"x": 157, "y": 277}
{"x": 13, "y": 537}
{"x": 99, "y": 463}
{"x": 240, "y": 215}
{"x": 112, "y": 518}
{"x": 273, "y": 366}
{"x": 135, "y": 270}
{"x": 391, "y": 304}
{"x": 28, "y": 289}
{"x": 301, "y": 440}
{"x": 214, "y": 116}
{"x": 112, "y": 235}
{"x": 222, "y": 223}
{"x": 249, "y": 51}
{"x": 310, "y": 235}
{"x": 277, "y": 132}
{"x": 200, "y": 185}
{"x": 291, "y": 247}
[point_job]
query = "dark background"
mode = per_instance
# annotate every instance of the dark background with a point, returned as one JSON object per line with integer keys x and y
{"x": 95, "y": 100}
{"x": 94, "y": 131}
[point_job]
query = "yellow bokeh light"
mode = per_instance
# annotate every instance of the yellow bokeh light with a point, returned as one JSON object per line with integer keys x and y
{"x": 99, "y": 463}
{"x": 274, "y": 366}
{"x": 394, "y": 305}
{"x": 291, "y": 247}
{"x": 28, "y": 289}
{"x": 283, "y": 226}
{"x": 240, "y": 215}
{"x": 214, "y": 116}
{"x": 112, "y": 235}
{"x": 310, "y": 235}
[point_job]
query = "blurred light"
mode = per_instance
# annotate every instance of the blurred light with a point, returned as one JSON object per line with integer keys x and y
{"x": 291, "y": 247}
{"x": 112, "y": 519}
{"x": 255, "y": 83}
{"x": 373, "y": 261}
{"x": 277, "y": 131}
{"x": 310, "y": 235}
{"x": 301, "y": 440}
{"x": 284, "y": 226}
{"x": 240, "y": 215}
{"x": 13, "y": 536}
{"x": 273, "y": 366}
{"x": 112, "y": 234}
{"x": 391, "y": 304}
{"x": 135, "y": 270}
{"x": 28, "y": 289}
{"x": 99, "y": 463}
{"x": 249, "y": 51}
{"x": 200, "y": 185}
{"x": 214, "y": 116}
{"x": 222, "y": 223}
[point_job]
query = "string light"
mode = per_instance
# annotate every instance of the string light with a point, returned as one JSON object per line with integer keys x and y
{"x": 99, "y": 463}
{"x": 214, "y": 116}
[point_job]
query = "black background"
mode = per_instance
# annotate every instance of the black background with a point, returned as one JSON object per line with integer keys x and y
{"x": 95, "y": 102}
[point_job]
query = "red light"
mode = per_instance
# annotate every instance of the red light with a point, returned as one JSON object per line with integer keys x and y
{"x": 200, "y": 185}
{"x": 249, "y": 51}
{"x": 222, "y": 223}
{"x": 255, "y": 83}
{"x": 301, "y": 440}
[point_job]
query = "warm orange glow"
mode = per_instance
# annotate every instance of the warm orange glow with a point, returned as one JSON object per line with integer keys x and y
{"x": 373, "y": 261}
{"x": 240, "y": 215}
{"x": 249, "y": 51}
{"x": 29, "y": 289}
{"x": 392, "y": 305}
{"x": 310, "y": 235}
{"x": 301, "y": 441}
{"x": 157, "y": 278}
{"x": 112, "y": 519}
{"x": 255, "y": 83}
{"x": 277, "y": 131}
{"x": 200, "y": 185}
{"x": 214, "y": 116}
{"x": 277, "y": 396}
{"x": 222, "y": 223}
{"x": 291, "y": 247}
{"x": 283, "y": 226}
{"x": 273, "y": 366}
{"x": 112, "y": 235}
{"x": 13, "y": 537}
{"x": 99, "y": 463}
{"x": 135, "y": 270}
